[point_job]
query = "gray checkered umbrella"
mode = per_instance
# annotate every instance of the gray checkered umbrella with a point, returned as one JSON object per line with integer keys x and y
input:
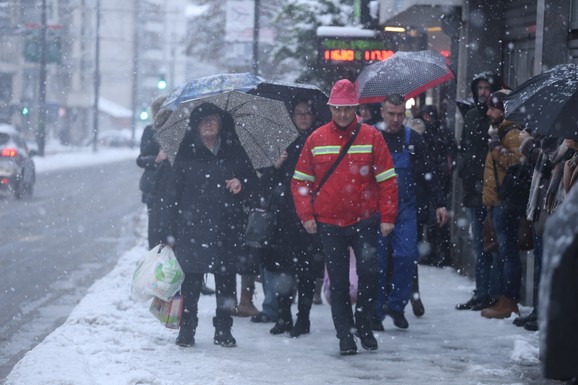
{"x": 263, "y": 126}
{"x": 405, "y": 73}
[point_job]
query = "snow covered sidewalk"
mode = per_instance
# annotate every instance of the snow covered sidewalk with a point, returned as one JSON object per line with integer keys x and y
{"x": 109, "y": 339}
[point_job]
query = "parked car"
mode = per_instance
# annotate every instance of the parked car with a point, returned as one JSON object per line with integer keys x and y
{"x": 17, "y": 172}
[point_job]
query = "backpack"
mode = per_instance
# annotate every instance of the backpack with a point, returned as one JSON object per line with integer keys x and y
{"x": 515, "y": 188}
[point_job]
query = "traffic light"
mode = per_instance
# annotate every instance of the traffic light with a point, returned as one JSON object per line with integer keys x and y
{"x": 144, "y": 115}
{"x": 162, "y": 83}
{"x": 24, "y": 111}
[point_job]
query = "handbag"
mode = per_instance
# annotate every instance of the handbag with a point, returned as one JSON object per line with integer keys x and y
{"x": 260, "y": 227}
{"x": 525, "y": 235}
{"x": 168, "y": 312}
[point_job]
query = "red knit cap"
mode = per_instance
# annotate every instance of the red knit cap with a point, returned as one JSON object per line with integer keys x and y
{"x": 343, "y": 93}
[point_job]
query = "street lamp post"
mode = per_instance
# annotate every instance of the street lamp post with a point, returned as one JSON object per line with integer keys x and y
{"x": 96, "y": 80}
{"x": 41, "y": 129}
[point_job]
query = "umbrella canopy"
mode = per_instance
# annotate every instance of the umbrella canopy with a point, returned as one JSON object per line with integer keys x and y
{"x": 263, "y": 126}
{"x": 211, "y": 85}
{"x": 289, "y": 93}
{"x": 250, "y": 83}
{"x": 405, "y": 73}
{"x": 547, "y": 103}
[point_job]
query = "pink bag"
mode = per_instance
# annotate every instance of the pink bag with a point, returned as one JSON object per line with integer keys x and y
{"x": 168, "y": 312}
{"x": 352, "y": 281}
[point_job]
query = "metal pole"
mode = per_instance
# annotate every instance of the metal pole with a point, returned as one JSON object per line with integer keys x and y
{"x": 96, "y": 80}
{"x": 135, "y": 64}
{"x": 539, "y": 42}
{"x": 256, "y": 38}
{"x": 41, "y": 131}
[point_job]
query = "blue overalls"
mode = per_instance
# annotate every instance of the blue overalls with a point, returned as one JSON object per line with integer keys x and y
{"x": 401, "y": 243}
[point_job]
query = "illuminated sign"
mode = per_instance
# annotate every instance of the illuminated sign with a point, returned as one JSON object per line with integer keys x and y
{"x": 343, "y": 50}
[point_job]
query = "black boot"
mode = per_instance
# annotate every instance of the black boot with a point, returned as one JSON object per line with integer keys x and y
{"x": 399, "y": 319}
{"x": 363, "y": 326}
{"x": 284, "y": 322}
{"x": 302, "y": 326}
{"x": 223, "y": 334}
{"x": 469, "y": 304}
{"x": 187, "y": 332}
{"x": 417, "y": 305}
{"x": 347, "y": 345}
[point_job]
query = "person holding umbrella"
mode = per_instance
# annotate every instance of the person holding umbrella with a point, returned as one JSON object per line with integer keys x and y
{"x": 296, "y": 259}
{"x": 397, "y": 252}
{"x": 212, "y": 176}
{"x": 339, "y": 200}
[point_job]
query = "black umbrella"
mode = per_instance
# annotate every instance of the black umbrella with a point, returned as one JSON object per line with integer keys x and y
{"x": 289, "y": 93}
{"x": 263, "y": 126}
{"x": 405, "y": 73}
{"x": 547, "y": 103}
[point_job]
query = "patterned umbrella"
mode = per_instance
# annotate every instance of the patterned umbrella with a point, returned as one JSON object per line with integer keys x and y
{"x": 405, "y": 73}
{"x": 252, "y": 84}
{"x": 263, "y": 126}
{"x": 548, "y": 102}
{"x": 211, "y": 85}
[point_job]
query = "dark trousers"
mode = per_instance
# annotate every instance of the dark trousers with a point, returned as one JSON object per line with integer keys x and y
{"x": 155, "y": 234}
{"x": 225, "y": 286}
{"x": 336, "y": 240}
{"x": 301, "y": 275}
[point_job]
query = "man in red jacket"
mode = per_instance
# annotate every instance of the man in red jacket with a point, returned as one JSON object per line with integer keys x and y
{"x": 344, "y": 210}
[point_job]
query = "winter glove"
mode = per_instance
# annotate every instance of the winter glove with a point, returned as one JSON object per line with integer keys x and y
{"x": 493, "y": 143}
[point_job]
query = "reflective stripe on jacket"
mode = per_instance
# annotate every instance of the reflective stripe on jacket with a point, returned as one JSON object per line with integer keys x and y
{"x": 362, "y": 185}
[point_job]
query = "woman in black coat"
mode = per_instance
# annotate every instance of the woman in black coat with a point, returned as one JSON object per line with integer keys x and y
{"x": 212, "y": 176}
{"x": 296, "y": 256}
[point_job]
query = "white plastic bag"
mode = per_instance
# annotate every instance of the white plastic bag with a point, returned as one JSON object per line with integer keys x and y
{"x": 158, "y": 274}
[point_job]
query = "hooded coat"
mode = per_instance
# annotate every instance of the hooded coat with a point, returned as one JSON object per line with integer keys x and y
{"x": 205, "y": 218}
{"x": 294, "y": 247}
{"x": 474, "y": 143}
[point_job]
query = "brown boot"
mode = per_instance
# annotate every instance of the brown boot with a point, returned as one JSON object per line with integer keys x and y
{"x": 246, "y": 308}
{"x": 503, "y": 309}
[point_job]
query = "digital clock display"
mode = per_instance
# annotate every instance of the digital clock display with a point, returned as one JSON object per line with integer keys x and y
{"x": 342, "y": 50}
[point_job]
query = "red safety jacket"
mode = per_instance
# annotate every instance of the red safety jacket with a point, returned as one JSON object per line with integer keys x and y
{"x": 362, "y": 185}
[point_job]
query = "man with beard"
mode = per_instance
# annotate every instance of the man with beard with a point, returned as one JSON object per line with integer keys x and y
{"x": 473, "y": 149}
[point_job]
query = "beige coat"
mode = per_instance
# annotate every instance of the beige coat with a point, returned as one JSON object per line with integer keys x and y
{"x": 503, "y": 156}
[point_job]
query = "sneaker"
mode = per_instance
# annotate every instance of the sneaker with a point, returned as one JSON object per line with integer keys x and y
{"x": 398, "y": 318}
{"x": 347, "y": 345}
